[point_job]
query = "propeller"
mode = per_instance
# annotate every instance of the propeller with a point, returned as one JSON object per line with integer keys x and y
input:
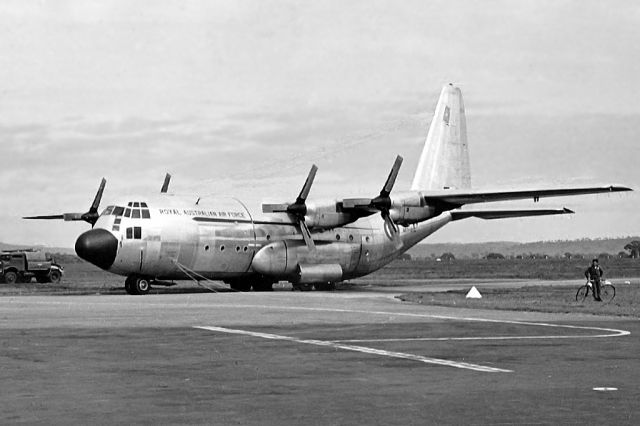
{"x": 298, "y": 209}
{"x": 382, "y": 203}
{"x": 90, "y": 216}
{"x": 165, "y": 185}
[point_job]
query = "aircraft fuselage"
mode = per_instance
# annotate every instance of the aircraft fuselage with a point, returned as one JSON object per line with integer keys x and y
{"x": 172, "y": 237}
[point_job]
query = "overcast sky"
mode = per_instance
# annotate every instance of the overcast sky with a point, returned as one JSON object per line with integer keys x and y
{"x": 241, "y": 97}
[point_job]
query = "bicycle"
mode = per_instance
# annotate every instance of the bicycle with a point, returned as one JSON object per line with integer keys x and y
{"x": 607, "y": 291}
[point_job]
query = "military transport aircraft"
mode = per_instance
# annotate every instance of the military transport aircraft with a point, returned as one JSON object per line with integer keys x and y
{"x": 159, "y": 237}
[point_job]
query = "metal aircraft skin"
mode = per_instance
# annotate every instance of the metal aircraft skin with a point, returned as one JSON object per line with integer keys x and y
{"x": 162, "y": 236}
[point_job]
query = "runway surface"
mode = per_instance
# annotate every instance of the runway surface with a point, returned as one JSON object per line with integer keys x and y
{"x": 309, "y": 358}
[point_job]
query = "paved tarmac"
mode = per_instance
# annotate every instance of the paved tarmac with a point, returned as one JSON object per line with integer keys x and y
{"x": 309, "y": 358}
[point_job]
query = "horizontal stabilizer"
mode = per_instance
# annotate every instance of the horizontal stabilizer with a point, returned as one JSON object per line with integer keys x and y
{"x": 459, "y": 198}
{"x": 504, "y": 214}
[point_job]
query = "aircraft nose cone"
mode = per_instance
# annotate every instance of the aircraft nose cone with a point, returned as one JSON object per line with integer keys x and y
{"x": 97, "y": 246}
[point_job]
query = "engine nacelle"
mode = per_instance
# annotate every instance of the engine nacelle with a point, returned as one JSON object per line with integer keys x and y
{"x": 325, "y": 215}
{"x": 409, "y": 208}
{"x": 310, "y": 274}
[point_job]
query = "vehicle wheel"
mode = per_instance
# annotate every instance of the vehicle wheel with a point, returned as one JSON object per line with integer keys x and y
{"x": 607, "y": 293}
{"x": 129, "y": 284}
{"x": 142, "y": 286}
{"x": 582, "y": 293}
{"x": 55, "y": 277}
{"x": 10, "y": 277}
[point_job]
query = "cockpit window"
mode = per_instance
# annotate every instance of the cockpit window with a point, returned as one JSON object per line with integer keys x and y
{"x": 130, "y": 204}
{"x": 135, "y": 213}
{"x": 127, "y": 212}
{"x": 118, "y": 211}
{"x": 107, "y": 211}
{"x": 145, "y": 214}
{"x": 143, "y": 205}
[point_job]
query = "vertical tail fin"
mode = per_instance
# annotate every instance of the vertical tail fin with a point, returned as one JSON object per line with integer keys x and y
{"x": 444, "y": 162}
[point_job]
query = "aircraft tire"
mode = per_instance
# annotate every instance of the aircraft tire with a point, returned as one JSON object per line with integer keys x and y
{"x": 325, "y": 286}
{"x": 141, "y": 286}
{"x": 262, "y": 286}
{"x": 241, "y": 286}
{"x": 129, "y": 285}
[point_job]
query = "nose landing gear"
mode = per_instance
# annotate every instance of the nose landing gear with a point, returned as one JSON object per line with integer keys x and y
{"x": 137, "y": 285}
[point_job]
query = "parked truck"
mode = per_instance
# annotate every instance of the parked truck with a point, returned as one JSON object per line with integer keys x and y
{"x": 24, "y": 265}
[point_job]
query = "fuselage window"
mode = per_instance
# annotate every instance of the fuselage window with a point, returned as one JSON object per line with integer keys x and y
{"x": 145, "y": 213}
{"x": 135, "y": 213}
{"x": 127, "y": 212}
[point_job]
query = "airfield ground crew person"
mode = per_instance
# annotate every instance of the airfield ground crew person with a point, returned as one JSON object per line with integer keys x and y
{"x": 594, "y": 274}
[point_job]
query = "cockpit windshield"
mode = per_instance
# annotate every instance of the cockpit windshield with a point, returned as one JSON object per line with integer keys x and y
{"x": 134, "y": 210}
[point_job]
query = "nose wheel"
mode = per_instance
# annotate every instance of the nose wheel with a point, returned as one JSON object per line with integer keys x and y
{"x": 137, "y": 285}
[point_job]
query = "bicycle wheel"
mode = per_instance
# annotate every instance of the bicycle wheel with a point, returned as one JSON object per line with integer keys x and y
{"x": 607, "y": 293}
{"x": 582, "y": 293}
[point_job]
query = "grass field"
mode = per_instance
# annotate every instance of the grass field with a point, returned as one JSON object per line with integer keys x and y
{"x": 83, "y": 278}
{"x": 557, "y": 299}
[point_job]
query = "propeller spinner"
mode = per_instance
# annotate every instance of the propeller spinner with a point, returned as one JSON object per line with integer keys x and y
{"x": 90, "y": 216}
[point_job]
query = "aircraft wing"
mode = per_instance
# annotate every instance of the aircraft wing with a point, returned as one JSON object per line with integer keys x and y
{"x": 461, "y": 197}
{"x": 503, "y": 214}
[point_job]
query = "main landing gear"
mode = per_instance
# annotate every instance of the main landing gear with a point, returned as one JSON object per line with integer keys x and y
{"x": 137, "y": 285}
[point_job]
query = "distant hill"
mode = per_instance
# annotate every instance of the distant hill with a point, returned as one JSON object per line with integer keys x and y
{"x": 62, "y": 250}
{"x": 586, "y": 247}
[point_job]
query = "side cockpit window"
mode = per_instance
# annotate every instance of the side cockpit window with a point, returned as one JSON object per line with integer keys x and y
{"x": 108, "y": 211}
{"x": 134, "y": 233}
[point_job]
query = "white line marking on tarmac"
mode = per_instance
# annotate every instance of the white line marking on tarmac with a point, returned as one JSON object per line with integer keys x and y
{"x": 372, "y": 351}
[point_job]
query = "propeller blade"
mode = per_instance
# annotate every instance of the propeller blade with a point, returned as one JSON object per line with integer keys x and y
{"x": 90, "y": 217}
{"x": 275, "y": 208}
{"x": 393, "y": 230}
{"x": 391, "y": 180}
{"x": 304, "y": 193}
{"x": 306, "y": 235}
{"x": 98, "y": 198}
{"x": 165, "y": 185}
{"x": 51, "y": 216}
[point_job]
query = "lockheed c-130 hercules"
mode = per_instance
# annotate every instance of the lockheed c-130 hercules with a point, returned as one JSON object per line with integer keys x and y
{"x": 160, "y": 237}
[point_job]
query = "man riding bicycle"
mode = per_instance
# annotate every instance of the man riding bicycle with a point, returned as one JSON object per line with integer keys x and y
{"x": 594, "y": 275}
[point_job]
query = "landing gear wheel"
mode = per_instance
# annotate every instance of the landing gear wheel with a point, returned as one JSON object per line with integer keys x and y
{"x": 241, "y": 286}
{"x": 55, "y": 277}
{"x": 10, "y": 277}
{"x": 141, "y": 286}
{"x": 303, "y": 287}
{"x": 325, "y": 286}
{"x": 129, "y": 284}
{"x": 262, "y": 286}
